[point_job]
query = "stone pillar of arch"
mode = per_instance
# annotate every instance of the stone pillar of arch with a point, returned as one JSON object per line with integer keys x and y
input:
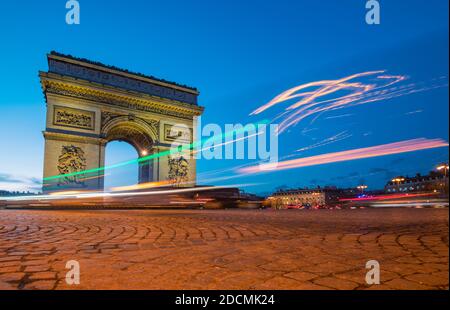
{"x": 146, "y": 171}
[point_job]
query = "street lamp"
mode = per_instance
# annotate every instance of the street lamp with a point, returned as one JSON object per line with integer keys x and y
{"x": 443, "y": 167}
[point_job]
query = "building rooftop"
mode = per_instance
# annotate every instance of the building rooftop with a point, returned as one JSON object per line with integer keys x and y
{"x": 417, "y": 179}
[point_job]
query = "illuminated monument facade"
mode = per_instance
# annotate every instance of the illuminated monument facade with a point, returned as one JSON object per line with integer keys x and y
{"x": 90, "y": 104}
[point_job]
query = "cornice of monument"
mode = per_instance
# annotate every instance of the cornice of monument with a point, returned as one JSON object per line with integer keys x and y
{"x": 115, "y": 70}
{"x": 54, "y": 83}
{"x": 72, "y": 137}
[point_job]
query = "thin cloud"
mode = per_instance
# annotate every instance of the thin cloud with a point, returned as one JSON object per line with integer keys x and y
{"x": 9, "y": 182}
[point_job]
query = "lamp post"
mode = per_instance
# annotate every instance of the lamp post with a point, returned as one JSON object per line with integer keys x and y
{"x": 443, "y": 167}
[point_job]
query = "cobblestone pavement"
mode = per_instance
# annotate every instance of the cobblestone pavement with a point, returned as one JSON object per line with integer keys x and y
{"x": 224, "y": 249}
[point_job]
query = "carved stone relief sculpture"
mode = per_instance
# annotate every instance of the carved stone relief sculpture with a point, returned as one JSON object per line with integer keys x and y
{"x": 178, "y": 170}
{"x": 72, "y": 159}
{"x": 69, "y": 117}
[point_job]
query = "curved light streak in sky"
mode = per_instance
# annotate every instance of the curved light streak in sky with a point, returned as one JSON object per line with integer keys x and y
{"x": 327, "y": 95}
{"x": 373, "y": 151}
{"x": 338, "y": 137}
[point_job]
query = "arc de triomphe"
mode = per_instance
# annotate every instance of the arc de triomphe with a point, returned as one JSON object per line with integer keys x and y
{"x": 90, "y": 104}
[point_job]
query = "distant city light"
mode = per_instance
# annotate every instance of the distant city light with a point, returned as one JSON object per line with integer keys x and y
{"x": 398, "y": 179}
{"x": 442, "y": 167}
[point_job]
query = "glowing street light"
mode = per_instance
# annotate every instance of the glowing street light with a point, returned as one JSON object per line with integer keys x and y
{"x": 443, "y": 167}
{"x": 398, "y": 180}
{"x": 362, "y": 187}
{"x": 144, "y": 152}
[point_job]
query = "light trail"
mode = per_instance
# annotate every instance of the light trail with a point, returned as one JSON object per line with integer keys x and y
{"x": 389, "y": 197}
{"x": 140, "y": 186}
{"x": 338, "y": 137}
{"x": 64, "y": 193}
{"x": 339, "y": 116}
{"x": 327, "y": 95}
{"x": 83, "y": 195}
{"x": 413, "y": 112}
{"x": 174, "y": 150}
{"x": 203, "y": 176}
{"x": 326, "y": 87}
{"x": 229, "y": 142}
{"x": 419, "y": 204}
{"x": 368, "y": 152}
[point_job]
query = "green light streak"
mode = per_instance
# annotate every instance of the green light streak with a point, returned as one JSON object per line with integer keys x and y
{"x": 174, "y": 150}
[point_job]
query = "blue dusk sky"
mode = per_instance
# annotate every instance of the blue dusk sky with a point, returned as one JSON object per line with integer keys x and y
{"x": 240, "y": 55}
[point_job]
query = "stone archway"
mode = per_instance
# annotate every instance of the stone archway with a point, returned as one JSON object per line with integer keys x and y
{"x": 90, "y": 104}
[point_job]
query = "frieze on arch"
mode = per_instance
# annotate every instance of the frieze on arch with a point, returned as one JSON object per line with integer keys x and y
{"x": 123, "y": 102}
{"x": 70, "y": 117}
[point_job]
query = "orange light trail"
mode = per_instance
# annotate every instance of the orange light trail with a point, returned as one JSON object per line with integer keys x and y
{"x": 64, "y": 193}
{"x": 89, "y": 194}
{"x": 373, "y": 151}
{"x": 328, "y": 95}
{"x": 326, "y": 87}
{"x": 141, "y": 186}
{"x": 390, "y": 197}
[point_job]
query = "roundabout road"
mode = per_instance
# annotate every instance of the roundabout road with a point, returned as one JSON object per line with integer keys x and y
{"x": 224, "y": 249}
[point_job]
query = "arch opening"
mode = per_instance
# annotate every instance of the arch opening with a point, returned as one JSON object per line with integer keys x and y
{"x": 132, "y": 134}
{"x": 135, "y": 136}
{"x": 117, "y": 151}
